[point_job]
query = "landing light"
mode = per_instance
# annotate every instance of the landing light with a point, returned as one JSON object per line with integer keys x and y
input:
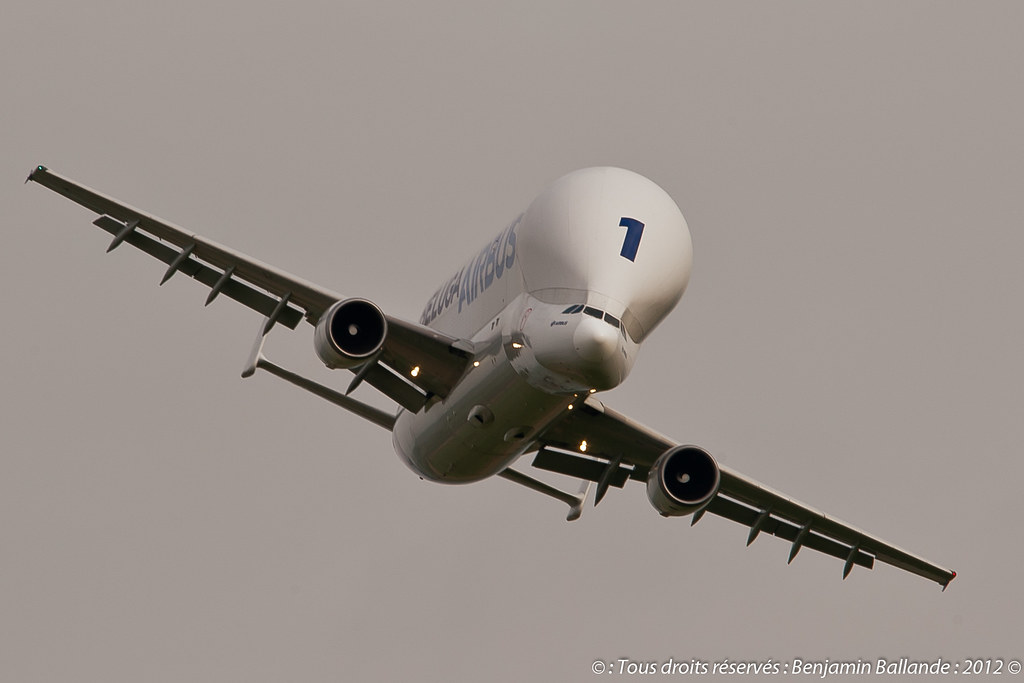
{"x": 593, "y": 391}
{"x": 415, "y": 371}
{"x": 516, "y": 345}
{"x": 583, "y": 446}
{"x": 476, "y": 364}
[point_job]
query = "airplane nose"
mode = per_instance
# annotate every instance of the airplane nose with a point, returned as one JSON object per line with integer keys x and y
{"x": 572, "y": 352}
{"x": 595, "y": 340}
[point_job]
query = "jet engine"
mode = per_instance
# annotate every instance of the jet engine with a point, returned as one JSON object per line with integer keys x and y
{"x": 682, "y": 480}
{"x": 349, "y": 333}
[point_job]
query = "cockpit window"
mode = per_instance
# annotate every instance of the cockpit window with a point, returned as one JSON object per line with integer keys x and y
{"x": 596, "y": 313}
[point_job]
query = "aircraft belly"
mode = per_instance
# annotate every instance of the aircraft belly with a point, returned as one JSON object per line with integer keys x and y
{"x": 489, "y": 420}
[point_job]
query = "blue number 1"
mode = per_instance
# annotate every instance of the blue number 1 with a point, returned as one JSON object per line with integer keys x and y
{"x": 634, "y": 231}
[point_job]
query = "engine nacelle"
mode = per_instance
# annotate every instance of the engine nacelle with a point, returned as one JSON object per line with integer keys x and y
{"x": 349, "y": 333}
{"x": 682, "y": 481}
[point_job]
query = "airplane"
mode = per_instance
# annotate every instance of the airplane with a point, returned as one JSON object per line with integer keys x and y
{"x": 509, "y": 352}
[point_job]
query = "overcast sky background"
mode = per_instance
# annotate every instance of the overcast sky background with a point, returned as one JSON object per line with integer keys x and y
{"x": 851, "y": 336}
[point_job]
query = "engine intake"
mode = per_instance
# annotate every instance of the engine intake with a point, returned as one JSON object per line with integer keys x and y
{"x": 682, "y": 481}
{"x": 349, "y": 333}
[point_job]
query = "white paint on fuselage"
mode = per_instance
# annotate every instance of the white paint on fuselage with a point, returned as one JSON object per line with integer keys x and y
{"x": 517, "y": 300}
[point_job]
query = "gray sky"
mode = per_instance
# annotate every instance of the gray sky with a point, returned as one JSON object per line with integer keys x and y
{"x": 851, "y": 336}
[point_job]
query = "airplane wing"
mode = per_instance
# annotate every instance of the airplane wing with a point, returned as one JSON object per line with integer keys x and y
{"x": 283, "y": 298}
{"x": 619, "y": 449}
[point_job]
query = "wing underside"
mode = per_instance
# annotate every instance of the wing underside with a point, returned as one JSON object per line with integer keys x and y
{"x": 620, "y": 449}
{"x": 284, "y": 299}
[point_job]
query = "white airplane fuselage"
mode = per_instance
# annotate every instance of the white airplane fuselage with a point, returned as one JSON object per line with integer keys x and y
{"x": 557, "y": 306}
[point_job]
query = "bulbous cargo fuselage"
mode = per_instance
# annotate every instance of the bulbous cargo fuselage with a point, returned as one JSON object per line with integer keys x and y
{"x": 558, "y": 304}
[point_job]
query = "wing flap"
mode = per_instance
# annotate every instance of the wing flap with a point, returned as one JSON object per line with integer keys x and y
{"x": 608, "y": 434}
{"x": 762, "y": 497}
{"x": 415, "y": 360}
{"x": 306, "y": 295}
{"x": 439, "y": 361}
{"x": 239, "y": 291}
{"x": 612, "y": 436}
{"x": 580, "y": 467}
{"x": 737, "y": 512}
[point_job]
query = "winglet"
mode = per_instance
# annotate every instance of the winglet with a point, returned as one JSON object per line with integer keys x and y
{"x": 952, "y": 575}
{"x": 37, "y": 169}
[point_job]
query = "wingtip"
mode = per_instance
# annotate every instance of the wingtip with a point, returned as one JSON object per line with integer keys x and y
{"x": 37, "y": 169}
{"x": 952, "y": 575}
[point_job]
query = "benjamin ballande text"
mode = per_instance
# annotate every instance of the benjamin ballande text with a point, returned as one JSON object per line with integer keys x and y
{"x": 822, "y": 668}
